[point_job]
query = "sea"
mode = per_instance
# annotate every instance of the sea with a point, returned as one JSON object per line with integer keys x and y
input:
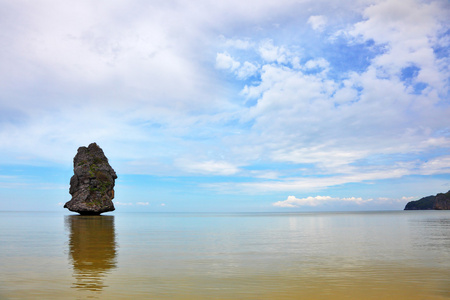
{"x": 335, "y": 255}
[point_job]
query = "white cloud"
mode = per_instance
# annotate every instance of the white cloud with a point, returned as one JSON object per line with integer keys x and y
{"x": 317, "y": 63}
{"x": 145, "y": 88}
{"x": 317, "y": 22}
{"x": 238, "y": 44}
{"x": 333, "y": 176}
{"x": 438, "y": 165}
{"x": 247, "y": 70}
{"x": 208, "y": 167}
{"x": 333, "y": 124}
{"x": 271, "y": 53}
{"x": 409, "y": 29}
{"x": 123, "y": 203}
{"x": 407, "y": 199}
{"x": 310, "y": 183}
{"x": 293, "y": 202}
{"x": 225, "y": 61}
{"x": 143, "y": 203}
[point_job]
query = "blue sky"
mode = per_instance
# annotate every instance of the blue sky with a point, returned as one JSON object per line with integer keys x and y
{"x": 227, "y": 105}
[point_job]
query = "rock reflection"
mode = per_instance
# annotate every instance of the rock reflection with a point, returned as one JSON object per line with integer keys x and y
{"x": 92, "y": 248}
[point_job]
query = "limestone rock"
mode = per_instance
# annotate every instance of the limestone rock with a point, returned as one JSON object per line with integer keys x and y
{"x": 92, "y": 185}
{"x": 442, "y": 201}
{"x": 421, "y": 204}
{"x": 438, "y": 202}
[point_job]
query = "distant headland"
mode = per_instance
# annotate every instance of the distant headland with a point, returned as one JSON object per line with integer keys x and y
{"x": 438, "y": 202}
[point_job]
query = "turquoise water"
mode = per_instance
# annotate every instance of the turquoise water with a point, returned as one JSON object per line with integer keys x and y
{"x": 355, "y": 255}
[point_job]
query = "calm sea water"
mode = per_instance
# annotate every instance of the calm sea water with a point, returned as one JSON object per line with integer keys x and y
{"x": 365, "y": 255}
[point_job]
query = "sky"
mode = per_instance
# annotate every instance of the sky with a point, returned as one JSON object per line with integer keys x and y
{"x": 227, "y": 106}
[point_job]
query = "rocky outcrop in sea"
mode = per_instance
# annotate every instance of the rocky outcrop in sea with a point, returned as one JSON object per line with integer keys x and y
{"x": 92, "y": 185}
{"x": 438, "y": 202}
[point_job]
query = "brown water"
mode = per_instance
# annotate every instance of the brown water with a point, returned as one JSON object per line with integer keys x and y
{"x": 365, "y": 255}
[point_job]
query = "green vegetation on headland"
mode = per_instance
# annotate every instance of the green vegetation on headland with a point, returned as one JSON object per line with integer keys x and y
{"x": 438, "y": 202}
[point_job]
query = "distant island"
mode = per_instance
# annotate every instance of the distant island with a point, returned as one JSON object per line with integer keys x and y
{"x": 438, "y": 202}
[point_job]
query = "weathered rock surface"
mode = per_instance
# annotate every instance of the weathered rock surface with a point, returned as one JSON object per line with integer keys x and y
{"x": 442, "y": 201}
{"x": 438, "y": 202}
{"x": 92, "y": 185}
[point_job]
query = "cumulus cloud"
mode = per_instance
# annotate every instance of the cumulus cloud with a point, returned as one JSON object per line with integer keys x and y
{"x": 225, "y": 61}
{"x": 294, "y": 202}
{"x": 271, "y": 53}
{"x": 339, "y": 125}
{"x": 298, "y": 111}
{"x": 410, "y": 30}
{"x": 317, "y": 22}
{"x": 247, "y": 70}
{"x": 320, "y": 63}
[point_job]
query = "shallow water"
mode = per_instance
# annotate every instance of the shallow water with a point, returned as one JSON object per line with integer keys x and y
{"x": 363, "y": 255}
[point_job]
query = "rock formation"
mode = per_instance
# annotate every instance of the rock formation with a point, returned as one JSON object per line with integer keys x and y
{"x": 92, "y": 185}
{"x": 438, "y": 202}
{"x": 442, "y": 201}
